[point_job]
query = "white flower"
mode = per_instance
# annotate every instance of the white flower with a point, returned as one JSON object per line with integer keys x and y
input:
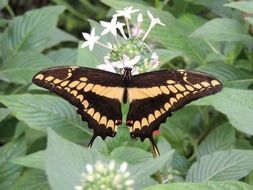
{"x": 111, "y": 26}
{"x": 123, "y": 167}
{"x": 154, "y": 21}
{"x": 136, "y": 31}
{"x": 107, "y": 66}
{"x": 91, "y": 39}
{"x": 126, "y": 12}
{"x": 78, "y": 187}
{"x": 126, "y": 62}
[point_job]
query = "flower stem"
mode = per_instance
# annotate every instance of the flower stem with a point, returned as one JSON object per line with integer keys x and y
{"x": 148, "y": 31}
{"x": 103, "y": 45}
{"x": 128, "y": 28}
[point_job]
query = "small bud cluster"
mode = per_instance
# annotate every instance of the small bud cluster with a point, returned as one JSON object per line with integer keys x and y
{"x": 106, "y": 177}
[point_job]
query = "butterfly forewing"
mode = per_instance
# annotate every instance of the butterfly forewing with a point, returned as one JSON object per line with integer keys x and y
{"x": 153, "y": 96}
{"x": 97, "y": 94}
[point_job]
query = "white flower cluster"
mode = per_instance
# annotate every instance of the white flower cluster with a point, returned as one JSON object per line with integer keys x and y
{"x": 106, "y": 177}
{"x": 131, "y": 51}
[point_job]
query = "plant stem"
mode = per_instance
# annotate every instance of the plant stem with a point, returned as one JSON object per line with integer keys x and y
{"x": 10, "y": 11}
{"x": 128, "y": 28}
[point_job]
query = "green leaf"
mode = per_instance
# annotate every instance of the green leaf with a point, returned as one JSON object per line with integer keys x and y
{"x": 250, "y": 19}
{"x": 236, "y": 104}
{"x": 245, "y": 6}
{"x": 34, "y": 160}
{"x": 63, "y": 56}
{"x": 9, "y": 171}
{"x": 4, "y": 113}
{"x": 29, "y": 32}
{"x": 23, "y": 66}
{"x": 130, "y": 154}
{"x": 226, "y": 185}
{"x": 66, "y": 161}
{"x": 221, "y": 138}
{"x": 59, "y": 36}
{"x": 3, "y": 3}
{"x": 43, "y": 111}
{"x": 32, "y": 180}
{"x": 221, "y": 165}
{"x": 223, "y": 29}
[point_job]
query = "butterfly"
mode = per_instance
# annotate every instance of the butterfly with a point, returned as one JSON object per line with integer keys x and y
{"x": 152, "y": 96}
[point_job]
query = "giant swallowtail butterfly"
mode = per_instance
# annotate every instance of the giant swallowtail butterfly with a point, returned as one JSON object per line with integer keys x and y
{"x": 153, "y": 96}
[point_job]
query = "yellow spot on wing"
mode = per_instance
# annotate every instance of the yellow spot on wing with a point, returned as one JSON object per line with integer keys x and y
{"x": 88, "y": 87}
{"x": 167, "y": 106}
{"x": 74, "y": 92}
{"x": 57, "y": 81}
{"x": 103, "y": 120}
{"x": 91, "y": 111}
{"x": 171, "y": 81}
{"x": 198, "y": 86}
{"x": 81, "y": 86}
{"x": 179, "y": 96}
{"x": 85, "y": 104}
{"x": 67, "y": 89}
{"x": 172, "y": 88}
{"x": 144, "y": 122}
{"x": 173, "y": 100}
{"x": 96, "y": 116}
{"x": 180, "y": 87}
{"x": 151, "y": 118}
{"x": 189, "y": 87}
{"x": 110, "y": 124}
{"x": 80, "y": 97}
{"x": 162, "y": 111}
{"x": 157, "y": 113}
{"x": 137, "y": 125}
{"x": 83, "y": 79}
{"x": 165, "y": 90}
{"x": 186, "y": 93}
{"x": 142, "y": 93}
{"x": 64, "y": 83}
{"x": 205, "y": 84}
{"x": 215, "y": 82}
{"x": 49, "y": 78}
{"x": 73, "y": 84}
{"x": 39, "y": 76}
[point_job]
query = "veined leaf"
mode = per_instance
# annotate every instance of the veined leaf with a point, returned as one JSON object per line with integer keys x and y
{"x": 221, "y": 138}
{"x": 32, "y": 180}
{"x": 221, "y": 165}
{"x": 34, "y": 160}
{"x": 245, "y": 6}
{"x": 223, "y": 30}
{"x": 9, "y": 171}
{"x": 63, "y": 56}
{"x": 29, "y": 32}
{"x": 226, "y": 185}
{"x": 23, "y": 66}
{"x": 66, "y": 161}
{"x": 236, "y": 104}
{"x": 45, "y": 111}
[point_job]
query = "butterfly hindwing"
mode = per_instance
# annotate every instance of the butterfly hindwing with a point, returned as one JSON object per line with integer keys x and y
{"x": 154, "y": 96}
{"x": 97, "y": 94}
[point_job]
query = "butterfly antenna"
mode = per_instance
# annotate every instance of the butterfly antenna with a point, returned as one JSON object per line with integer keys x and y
{"x": 92, "y": 140}
{"x": 155, "y": 150}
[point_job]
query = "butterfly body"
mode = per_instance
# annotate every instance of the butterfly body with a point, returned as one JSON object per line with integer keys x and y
{"x": 153, "y": 96}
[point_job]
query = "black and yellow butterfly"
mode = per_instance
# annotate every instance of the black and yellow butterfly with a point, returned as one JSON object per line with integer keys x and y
{"x": 153, "y": 96}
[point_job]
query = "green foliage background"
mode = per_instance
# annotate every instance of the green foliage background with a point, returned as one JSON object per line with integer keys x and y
{"x": 206, "y": 145}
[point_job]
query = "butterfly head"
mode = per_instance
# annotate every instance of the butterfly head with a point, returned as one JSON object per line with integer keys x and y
{"x": 127, "y": 74}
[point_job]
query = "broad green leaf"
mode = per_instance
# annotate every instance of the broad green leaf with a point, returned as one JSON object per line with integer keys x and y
{"x": 223, "y": 30}
{"x": 221, "y": 138}
{"x": 167, "y": 55}
{"x": 63, "y": 56}
{"x": 23, "y": 66}
{"x": 130, "y": 154}
{"x": 221, "y": 165}
{"x": 226, "y": 185}
{"x": 29, "y": 32}
{"x": 3, "y": 3}
{"x": 236, "y": 104}
{"x": 229, "y": 75}
{"x": 44, "y": 111}
{"x": 59, "y": 36}
{"x": 4, "y": 113}
{"x": 245, "y": 6}
{"x": 32, "y": 180}
{"x": 34, "y": 160}
{"x": 9, "y": 171}
{"x": 66, "y": 161}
